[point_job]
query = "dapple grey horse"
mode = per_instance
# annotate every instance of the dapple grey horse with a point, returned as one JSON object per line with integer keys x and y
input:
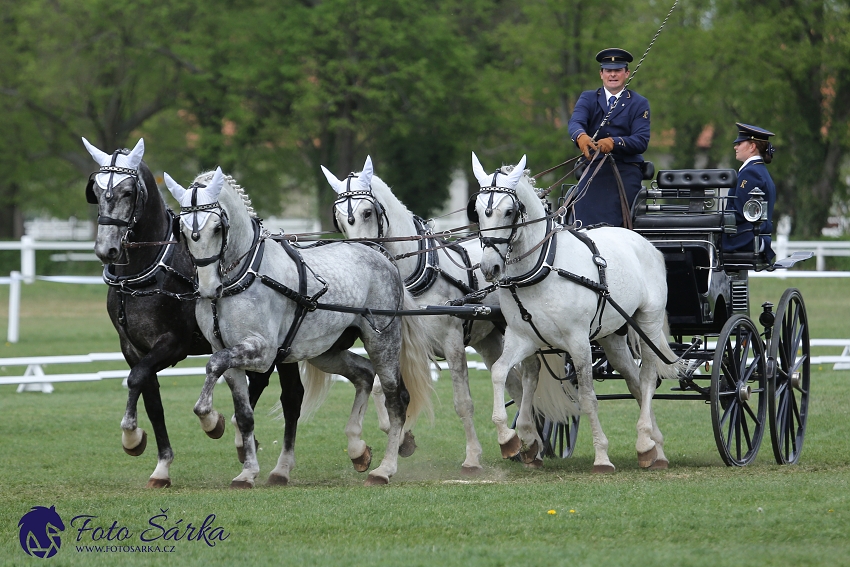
{"x": 262, "y": 301}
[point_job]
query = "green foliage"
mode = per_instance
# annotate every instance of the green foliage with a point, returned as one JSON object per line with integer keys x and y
{"x": 271, "y": 90}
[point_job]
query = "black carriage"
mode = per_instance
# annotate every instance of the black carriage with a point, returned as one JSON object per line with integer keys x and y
{"x": 751, "y": 373}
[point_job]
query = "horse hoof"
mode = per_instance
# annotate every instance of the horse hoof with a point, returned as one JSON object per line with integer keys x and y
{"x": 536, "y": 464}
{"x": 240, "y": 451}
{"x": 659, "y": 465}
{"x": 376, "y": 481}
{"x": 218, "y": 430}
{"x": 361, "y": 463}
{"x": 645, "y": 460}
{"x": 408, "y": 445}
{"x": 240, "y": 484}
{"x": 511, "y": 447}
{"x": 471, "y": 471}
{"x": 604, "y": 469}
{"x": 158, "y": 483}
{"x": 278, "y": 480}
{"x": 140, "y": 448}
{"x": 530, "y": 455}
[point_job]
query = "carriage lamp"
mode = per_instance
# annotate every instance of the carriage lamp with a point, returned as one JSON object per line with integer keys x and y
{"x": 755, "y": 211}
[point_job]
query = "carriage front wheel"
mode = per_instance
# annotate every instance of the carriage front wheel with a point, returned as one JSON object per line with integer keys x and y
{"x": 788, "y": 393}
{"x": 738, "y": 392}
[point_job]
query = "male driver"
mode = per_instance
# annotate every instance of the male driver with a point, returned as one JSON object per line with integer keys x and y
{"x": 614, "y": 120}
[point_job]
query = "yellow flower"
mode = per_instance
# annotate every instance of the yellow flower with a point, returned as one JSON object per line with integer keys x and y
{"x": 572, "y": 511}
{"x": 552, "y": 512}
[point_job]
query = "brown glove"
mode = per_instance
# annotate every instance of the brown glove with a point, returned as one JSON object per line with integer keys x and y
{"x": 586, "y": 144}
{"x": 606, "y": 145}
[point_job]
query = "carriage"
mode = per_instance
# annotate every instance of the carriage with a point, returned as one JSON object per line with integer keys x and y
{"x": 751, "y": 368}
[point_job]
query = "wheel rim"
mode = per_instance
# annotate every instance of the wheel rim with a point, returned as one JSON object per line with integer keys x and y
{"x": 559, "y": 439}
{"x": 788, "y": 391}
{"x": 738, "y": 393}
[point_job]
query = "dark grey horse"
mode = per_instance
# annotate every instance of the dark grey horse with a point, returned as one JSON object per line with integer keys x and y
{"x": 150, "y": 299}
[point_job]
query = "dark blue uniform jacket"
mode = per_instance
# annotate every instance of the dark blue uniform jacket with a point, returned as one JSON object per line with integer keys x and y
{"x": 628, "y": 126}
{"x": 753, "y": 174}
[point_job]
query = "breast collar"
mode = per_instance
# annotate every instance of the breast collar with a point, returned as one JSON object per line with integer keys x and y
{"x": 427, "y": 264}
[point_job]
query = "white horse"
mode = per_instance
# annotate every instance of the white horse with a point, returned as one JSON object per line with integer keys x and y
{"x": 367, "y": 208}
{"x": 553, "y": 293}
{"x": 261, "y": 302}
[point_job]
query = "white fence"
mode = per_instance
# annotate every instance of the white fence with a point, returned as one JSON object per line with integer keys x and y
{"x": 34, "y": 378}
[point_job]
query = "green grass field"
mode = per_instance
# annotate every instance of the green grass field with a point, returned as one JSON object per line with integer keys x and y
{"x": 64, "y": 449}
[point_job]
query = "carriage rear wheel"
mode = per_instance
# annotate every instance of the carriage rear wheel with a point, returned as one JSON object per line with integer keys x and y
{"x": 788, "y": 392}
{"x": 738, "y": 393}
{"x": 559, "y": 439}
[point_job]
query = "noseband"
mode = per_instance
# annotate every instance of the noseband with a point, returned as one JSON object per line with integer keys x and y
{"x": 366, "y": 194}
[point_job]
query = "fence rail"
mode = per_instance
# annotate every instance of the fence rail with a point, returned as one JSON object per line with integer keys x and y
{"x": 34, "y": 377}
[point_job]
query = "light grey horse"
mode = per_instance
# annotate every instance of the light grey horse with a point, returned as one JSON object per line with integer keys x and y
{"x": 261, "y": 302}
{"x": 551, "y": 290}
{"x": 367, "y": 208}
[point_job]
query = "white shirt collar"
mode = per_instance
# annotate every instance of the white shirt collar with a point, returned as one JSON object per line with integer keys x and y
{"x": 609, "y": 94}
{"x": 748, "y": 160}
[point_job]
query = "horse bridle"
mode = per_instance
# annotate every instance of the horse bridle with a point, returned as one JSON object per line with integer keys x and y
{"x": 109, "y": 194}
{"x": 519, "y": 212}
{"x": 195, "y": 208}
{"x": 366, "y": 194}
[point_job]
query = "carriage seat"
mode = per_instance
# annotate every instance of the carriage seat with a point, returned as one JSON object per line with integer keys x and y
{"x": 685, "y": 200}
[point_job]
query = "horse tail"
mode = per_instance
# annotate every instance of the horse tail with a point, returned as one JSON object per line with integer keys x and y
{"x": 317, "y": 385}
{"x": 554, "y": 399}
{"x": 415, "y": 362}
{"x": 664, "y": 370}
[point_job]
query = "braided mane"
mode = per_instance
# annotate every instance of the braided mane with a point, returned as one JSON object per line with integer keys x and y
{"x": 207, "y": 176}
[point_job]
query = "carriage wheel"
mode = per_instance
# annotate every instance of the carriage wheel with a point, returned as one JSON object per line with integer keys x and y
{"x": 738, "y": 391}
{"x": 559, "y": 439}
{"x": 788, "y": 392}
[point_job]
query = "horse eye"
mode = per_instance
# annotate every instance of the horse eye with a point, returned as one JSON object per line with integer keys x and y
{"x": 367, "y": 213}
{"x": 217, "y": 229}
{"x": 509, "y": 212}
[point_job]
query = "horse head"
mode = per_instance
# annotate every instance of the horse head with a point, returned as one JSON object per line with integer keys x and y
{"x": 498, "y": 208}
{"x": 118, "y": 190}
{"x": 357, "y": 211}
{"x": 204, "y": 225}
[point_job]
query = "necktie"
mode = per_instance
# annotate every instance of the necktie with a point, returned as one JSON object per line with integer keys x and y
{"x": 612, "y": 101}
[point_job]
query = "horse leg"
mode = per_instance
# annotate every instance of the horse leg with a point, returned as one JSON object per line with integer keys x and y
{"x": 360, "y": 373}
{"x": 526, "y": 426}
{"x": 581, "y": 356}
{"x": 291, "y": 396}
{"x": 257, "y": 383}
{"x": 490, "y": 348}
{"x": 512, "y": 353}
{"x": 650, "y": 454}
{"x": 381, "y": 406}
{"x": 142, "y": 381}
{"x": 456, "y": 358}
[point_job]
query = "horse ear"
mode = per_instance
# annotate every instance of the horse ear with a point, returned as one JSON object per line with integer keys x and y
{"x": 174, "y": 188}
{"x": 135, "y": 156}
{"x": 478, "y": 171}
{"x": 335, "y": 183}
{"x": 101, "y": 158}
{"x": 515, "y": 175}
{"x": 366, "y": 174}
{"x": 214, "y": 188}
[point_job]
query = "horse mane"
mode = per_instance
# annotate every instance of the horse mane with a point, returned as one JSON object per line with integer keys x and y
{"x": 238, "y": 189}
{"x": 527, "y": 183}
{"x": 385, "y": 195}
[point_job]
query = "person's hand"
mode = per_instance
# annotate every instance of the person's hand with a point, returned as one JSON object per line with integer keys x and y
{"x": 586, "y": 144}
{"x": 606, "y": 145}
